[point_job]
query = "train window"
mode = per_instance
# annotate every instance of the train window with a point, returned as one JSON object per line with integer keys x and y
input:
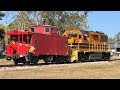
{"x": 103, "y": 38}
{"x": 32, "y": 29}
{"x": 106, "y": 38}
{"x": 85, "y": 38}
{"x": 35, "y": 42}
{"x": 80, "y": 37}
{"x": 14, "y": 37}
{"x": 20, "y": 40}
{"x": 28, "y": 40}
{"x": 69, "y": 35}
{"x": 72, "y": 35}
{"x": 96, "y": 37}
{"x": 47, "y": 30}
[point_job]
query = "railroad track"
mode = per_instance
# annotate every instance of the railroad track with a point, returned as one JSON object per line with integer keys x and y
{"x": 18, "y": 67}
{"x": 23, "y": 66}
{"x": 31, "y": 66}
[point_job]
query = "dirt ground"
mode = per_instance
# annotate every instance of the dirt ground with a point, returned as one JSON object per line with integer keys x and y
{"x": 86, "y": 70}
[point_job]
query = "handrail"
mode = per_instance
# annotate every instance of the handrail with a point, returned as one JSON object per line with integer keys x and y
{"x": 97, "y": 47}
{"x": 91, "y": 47}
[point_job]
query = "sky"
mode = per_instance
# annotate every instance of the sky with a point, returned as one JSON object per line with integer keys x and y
{"x": 105, "y": 21}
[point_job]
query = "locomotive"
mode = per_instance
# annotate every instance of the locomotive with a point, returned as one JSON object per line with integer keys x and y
{"x": 71, "y": 46}
{"x": 87, "y": 45}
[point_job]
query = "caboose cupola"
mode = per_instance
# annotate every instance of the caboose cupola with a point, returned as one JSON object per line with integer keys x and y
{"x": 45, "y": 29}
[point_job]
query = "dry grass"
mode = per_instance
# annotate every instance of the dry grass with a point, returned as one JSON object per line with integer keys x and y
{"x": 93, "y": 70}
{"x": 5, "y": 62}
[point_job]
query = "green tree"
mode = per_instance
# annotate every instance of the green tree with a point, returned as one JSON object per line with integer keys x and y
{"x": 1, "y": 15}
{"x": 117, "y": 36}
{"x": 2, "y": 32}
{"x": 66, "y": 19}
{"x": 21, "y": 20}
{"x": 63, "y": 19}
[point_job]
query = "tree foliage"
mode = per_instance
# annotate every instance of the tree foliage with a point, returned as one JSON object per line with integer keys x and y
{"x": 1, "y": 15}
{"x": 2, "y": 33}
{"x": 63, "y": 19}
{"x": 2, "y": 27}
{"x": 115, "y": 38}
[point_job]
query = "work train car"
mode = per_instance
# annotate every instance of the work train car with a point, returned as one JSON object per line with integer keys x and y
{"x": 87, "y": 45}
{"x": 114, "y": 47}
{"x": 71, "y": 46}
{"x": 48, "y": 45}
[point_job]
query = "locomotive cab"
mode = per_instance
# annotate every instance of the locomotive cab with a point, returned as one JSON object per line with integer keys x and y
{"x": 76, "y": 36}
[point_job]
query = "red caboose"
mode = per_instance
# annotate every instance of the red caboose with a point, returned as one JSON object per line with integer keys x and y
{"x": 49, "y": 46}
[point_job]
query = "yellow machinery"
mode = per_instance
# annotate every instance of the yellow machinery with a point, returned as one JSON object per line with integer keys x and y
{"x": 87, "y": 45}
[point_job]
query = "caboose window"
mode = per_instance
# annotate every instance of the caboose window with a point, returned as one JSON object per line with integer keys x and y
{"x": 35, "y": 42}
{"x": 27, "y": 40}
{"x": 32, "y": 29}
{"x": 14, "y": 37}
{"x": 20, "y": 39}
{"x": 47, "y": 30}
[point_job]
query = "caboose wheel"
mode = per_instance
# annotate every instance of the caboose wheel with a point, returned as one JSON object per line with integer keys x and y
{"x": 76, "y": 61}
{"x": 15, "y": 61}
{"x": 24, "y": 62}
{"x": 35, "y": 60}
{"x": 28, "y": 62}
{"x": 61, "y": 60}
{"x": 8, "y": 58}
{"x": 46, "y": 62}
